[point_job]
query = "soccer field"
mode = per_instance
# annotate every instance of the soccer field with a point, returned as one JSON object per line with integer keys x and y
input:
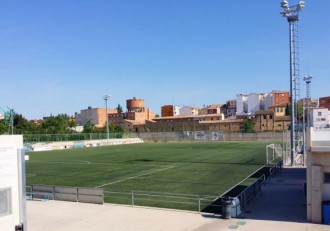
{"x": 199, "y": 168}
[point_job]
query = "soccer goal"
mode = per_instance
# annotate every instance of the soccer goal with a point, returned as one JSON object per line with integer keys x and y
{"x": 273, "y": 151}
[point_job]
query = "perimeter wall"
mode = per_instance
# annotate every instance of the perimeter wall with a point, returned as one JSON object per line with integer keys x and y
{"x": 210, "y": 136}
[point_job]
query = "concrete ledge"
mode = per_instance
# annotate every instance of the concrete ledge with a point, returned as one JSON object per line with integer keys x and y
{"x": 84, "y": 143}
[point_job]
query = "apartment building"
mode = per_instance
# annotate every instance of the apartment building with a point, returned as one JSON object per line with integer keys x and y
{"x": 96, "y": 116}
{"x": 170, "y": 110}
{"x": 319, "y": 118}
{"x": 249, "y": 104}
{"x": 231, "y": 108}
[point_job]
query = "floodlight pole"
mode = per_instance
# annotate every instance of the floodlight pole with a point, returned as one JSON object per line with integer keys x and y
{"x": 106, "y": 97}
{"x": 292, "y": 15}
{"x": 308, "y": 80}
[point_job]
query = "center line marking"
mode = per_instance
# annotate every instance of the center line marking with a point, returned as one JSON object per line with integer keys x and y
{"x": 132, "y": 177}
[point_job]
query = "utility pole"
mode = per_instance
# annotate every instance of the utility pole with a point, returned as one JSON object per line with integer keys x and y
{"x": 106, "y": 97}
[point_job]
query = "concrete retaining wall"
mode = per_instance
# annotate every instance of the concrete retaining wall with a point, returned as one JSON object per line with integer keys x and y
{"x": 84, "y": 143}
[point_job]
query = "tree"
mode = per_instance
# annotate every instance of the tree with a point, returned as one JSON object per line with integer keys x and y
{"x": 248, "y": 126}
{"x": 3, "y": 127}
{"x": 89, "y": 127}
{"x": 119, "y": 109}
{"x": 56, "y": 125}
{"x": 72, "y": 123}
{"x": 287, "y": 110}
{"x": 298, "y": 107}
{"x": 24, "y": 126}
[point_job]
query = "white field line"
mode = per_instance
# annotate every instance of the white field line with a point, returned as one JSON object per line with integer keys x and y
{"x": 132, "y": 177}
{"x": 80, "y": 162}
{"x": 30, "y": 175}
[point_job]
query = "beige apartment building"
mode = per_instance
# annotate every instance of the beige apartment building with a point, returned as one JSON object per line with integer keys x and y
{"x": 96, "y": 116}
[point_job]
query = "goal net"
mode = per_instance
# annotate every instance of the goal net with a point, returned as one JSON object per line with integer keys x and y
{"x": 273, "y": 152}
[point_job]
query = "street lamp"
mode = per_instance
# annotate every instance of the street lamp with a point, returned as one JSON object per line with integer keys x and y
{"x": 106, "y": 97}
{"x": 292, "y": 15}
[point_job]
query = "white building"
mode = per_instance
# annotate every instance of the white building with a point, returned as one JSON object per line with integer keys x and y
{"x": 187, "y": 110}
{"x": 319, "y": 118}
{"x": 249, "y": 104}
{"x": 176, "y": 110}
{"x": 241, "y": 104}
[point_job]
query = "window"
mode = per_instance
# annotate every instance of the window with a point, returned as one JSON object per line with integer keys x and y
{"x": 319, "y": 113}
{"x": 270, "y": 117}
{"x": 265, "y": 117}
{"x": 5, "y": 202}
{"x": 327, "y": 178}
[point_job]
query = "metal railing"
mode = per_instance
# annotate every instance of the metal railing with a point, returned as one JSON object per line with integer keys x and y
{"x": 249, "y": 193}
{"x": 276, "y": 167}
{"x": 65, "y": 193}
{"x": 196, "y": 203}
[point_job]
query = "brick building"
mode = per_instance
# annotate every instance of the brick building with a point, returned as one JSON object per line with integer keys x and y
{"x": 325, "y": 102}
{"x": 136, "y": 114}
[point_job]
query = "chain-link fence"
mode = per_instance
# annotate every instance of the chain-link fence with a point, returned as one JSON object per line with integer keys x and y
{"x": 37, "y": 138}
{"x": 210, "y": 136}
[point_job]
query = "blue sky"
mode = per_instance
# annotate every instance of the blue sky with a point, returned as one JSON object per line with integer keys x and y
{"x": 61, "y": 56}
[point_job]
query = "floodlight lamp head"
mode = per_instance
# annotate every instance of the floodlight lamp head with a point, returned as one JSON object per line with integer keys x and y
{"x": 284, "y": 4}
{"x": 106, "y": 97}
{"x": 301, "y": 5}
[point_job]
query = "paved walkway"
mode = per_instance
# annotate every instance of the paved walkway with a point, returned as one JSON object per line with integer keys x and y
{"x": 280, "y": 206}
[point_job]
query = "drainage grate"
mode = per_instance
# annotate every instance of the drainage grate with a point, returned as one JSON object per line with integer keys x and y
{"x": 233, "y": 227}
{"x": 241, "y": 223}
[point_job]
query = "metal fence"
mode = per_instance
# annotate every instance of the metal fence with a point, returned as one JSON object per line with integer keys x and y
{"x": 197, "y": 203}
{"x": 64, "y": 193}
{"x": 189, "y": 202}
{"x": 210, "y": 136}
{"x": 250, "y": 192}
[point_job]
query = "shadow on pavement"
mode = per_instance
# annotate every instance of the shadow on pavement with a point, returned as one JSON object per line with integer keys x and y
{"x": 282, "y": 197}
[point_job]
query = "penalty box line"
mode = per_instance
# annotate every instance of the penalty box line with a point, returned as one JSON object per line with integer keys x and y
{"x": 133, "y": 177}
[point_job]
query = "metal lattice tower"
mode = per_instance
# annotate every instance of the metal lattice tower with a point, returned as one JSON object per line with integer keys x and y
{"x": 9, "y": 119}
{"x": 292, "y": 15}
{"x": 296, "y": 89}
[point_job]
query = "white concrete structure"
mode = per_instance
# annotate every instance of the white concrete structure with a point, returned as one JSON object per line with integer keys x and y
{"x": 319, "y": 118}
{"x": 318, "y": 172}
{"x": 12, "y": 183}
{"x": 241, "y": 104}
{"x": 176, "y": 110}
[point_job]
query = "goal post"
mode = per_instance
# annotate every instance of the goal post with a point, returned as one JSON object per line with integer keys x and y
{"x": 273, "y": 152}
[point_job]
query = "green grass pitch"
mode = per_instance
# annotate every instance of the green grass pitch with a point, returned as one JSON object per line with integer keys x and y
{"x": 198, "y": 168}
